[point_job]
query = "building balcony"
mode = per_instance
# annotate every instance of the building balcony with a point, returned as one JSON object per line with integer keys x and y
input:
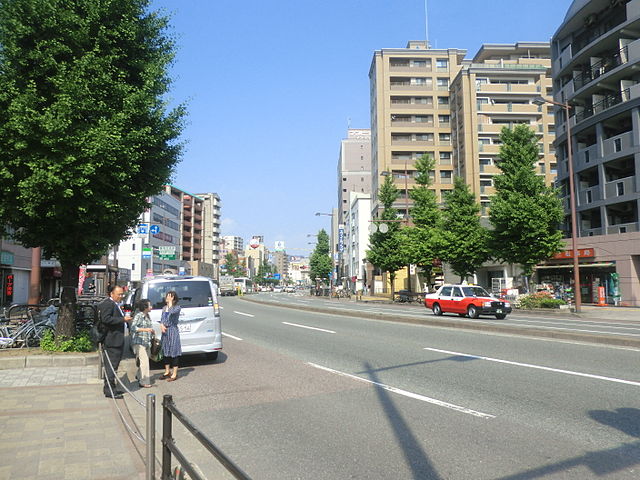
{"x": 619, "y": 143}
{"x": 529, "y": 88}
{"x": 410, "y": 87}
{"x": 620, "y": 187}
{"x": 510, "y": 108}
{"x": 413, "y": 143}
{"x": 408, "y": 69}
{"x": 186, "y": 244}
{"x": 589, "y": 195}
{"x": 623, "y": 228}
{"x": 586, "y": 157}
{"x": 606, "y": 64}
{"x": 590, "y": 232}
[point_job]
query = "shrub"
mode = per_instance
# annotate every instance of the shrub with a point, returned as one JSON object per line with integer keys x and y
{"x": 79, "y": 343}
{"x": 539, "y": 300}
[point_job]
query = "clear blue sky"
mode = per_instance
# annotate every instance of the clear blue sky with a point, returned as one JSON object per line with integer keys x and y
{"x": 271, "y": 84}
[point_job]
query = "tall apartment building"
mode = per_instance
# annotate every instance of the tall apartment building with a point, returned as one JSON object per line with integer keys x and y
{"x": 154, "y": 249}
{"x": 494, "y": 90}
{"x": 354, "y": 168}
{"x": 192, "y": 223}
{"x": 410, "y": 115}
{"x": 281, "y": 261}
{"x": 596, "y": 59}
{"x": 211, "y": 247}
{"x": 233, "y": 243}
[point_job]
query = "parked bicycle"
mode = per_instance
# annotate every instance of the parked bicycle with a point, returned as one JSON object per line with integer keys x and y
{"x": 23, "y": 326}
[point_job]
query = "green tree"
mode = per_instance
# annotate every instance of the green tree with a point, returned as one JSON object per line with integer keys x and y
{"x": 86, "y": 136}
{"x": 234, "y": 268}
{"x": 385, "y": 248}
{"x": 265, "y": 274}
{"x": 421, "y": 242}
{"x": 320, "y": 263}
{"x": 525, "y": 213}
{"x": 465, "y": 242}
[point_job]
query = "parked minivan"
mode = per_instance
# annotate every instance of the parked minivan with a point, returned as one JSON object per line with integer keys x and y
{"x": 200, "y": 328}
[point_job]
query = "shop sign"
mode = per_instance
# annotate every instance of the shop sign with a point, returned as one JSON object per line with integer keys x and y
{"x": 8, "y": 287}
{"x": 6, "y": 258}
{"x": 167, "y": 252}
{"x": 582, "y": 253}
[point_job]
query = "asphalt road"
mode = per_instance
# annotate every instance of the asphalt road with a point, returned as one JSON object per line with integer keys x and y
{"x": 303, "y": 395}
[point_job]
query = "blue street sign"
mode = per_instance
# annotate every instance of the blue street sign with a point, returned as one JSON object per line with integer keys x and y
{"x": 143, "y": 229}
{"x": 155, "y": 229}
{"x": 276, "y": 276}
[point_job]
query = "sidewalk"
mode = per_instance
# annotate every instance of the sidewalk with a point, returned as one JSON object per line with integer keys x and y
{"x": 55, "y": 423}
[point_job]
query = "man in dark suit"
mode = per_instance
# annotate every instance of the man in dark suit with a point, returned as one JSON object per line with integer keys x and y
{"x": 113, "y": 320}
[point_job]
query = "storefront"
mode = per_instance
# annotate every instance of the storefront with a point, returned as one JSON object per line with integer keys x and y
{"x": 557, "y": 275}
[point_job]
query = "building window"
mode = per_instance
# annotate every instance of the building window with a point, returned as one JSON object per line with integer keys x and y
{"x": 443, "y": 100}
{"x": 444, "y": 119}
{"x": 133, "y": 247}
{"x": 620, "y": 188}
{"x": 442, "y": 63}
{"x": 443, "y": 83}
{"x": 617, "y": 145}
{"x": 133, "y": 267}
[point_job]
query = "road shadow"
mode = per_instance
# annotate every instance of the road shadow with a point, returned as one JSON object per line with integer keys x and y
{"x": 603, "y": 462}
{"x": 415, "y": 456}
{"x": 452, "y": 358}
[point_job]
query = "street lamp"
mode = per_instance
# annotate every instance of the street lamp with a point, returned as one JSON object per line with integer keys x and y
{"x": 327, "y": 214}
{"x": 572, "y": 202}
{"x": 311, "y": 235}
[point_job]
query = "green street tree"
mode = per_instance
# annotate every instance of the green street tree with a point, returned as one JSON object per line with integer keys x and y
{"x": 234, "y": 268}
{"x": 465, "y": 242}
{"x": 320, "y": 263}
{"x": 421, "y": 241}
{"x": 86, "y": 136}
{"x": 265, "y": 274}
{"x": 525, "y": 212}
{"x": 385, "y": 248}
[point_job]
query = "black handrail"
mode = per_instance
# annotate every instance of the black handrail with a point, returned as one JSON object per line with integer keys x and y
{"x": 169, "y": 446}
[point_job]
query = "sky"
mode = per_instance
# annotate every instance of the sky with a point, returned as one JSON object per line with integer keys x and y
{"x": 271, "y": 87}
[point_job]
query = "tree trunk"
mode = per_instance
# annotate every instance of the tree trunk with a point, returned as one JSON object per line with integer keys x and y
{"x": 66, "y": 325}
{"x": 392, "y": 277}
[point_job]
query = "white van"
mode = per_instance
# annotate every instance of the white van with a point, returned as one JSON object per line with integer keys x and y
{"x": 200, "y": 328}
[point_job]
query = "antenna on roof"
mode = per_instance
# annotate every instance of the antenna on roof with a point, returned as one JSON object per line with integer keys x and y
{"x": 426, "y": 23}
{"x": 348, "y": 122}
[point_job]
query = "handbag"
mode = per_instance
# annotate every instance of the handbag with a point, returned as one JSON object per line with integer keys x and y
{"x": 156, "y": 348}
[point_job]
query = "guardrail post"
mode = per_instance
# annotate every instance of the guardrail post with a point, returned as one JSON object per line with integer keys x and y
{"x": 100, "y": 362}
{"x": 151, "y": 437}
{"x": 166, "y": 436}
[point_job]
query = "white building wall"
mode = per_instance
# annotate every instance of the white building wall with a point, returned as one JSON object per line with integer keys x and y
{"x": 357, "y": 237}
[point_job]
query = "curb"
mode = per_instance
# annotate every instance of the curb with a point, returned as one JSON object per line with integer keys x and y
{"x": 37, "y": 361}
{"x": 465, "y": 324}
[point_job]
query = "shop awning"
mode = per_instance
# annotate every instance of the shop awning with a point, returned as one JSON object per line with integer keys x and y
{"x": 582, "y": 265}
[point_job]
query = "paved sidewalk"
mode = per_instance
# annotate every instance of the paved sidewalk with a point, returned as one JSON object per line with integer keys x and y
{"x": 55, "y": 423}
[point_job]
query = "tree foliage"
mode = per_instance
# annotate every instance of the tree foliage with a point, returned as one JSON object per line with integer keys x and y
{"x": 421, "y": 241}
{"x": 85, "y": 133}
{"x": 465, "y": 242}
{"x": 525, "y": 212}
{"x": 320, "y": 263}
{"x": 385, "y": 248}
{"x": 233, "y": 265}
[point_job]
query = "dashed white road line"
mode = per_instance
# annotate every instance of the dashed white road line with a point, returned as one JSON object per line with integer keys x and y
{"x": 405, "y": 393}
{"x": 538, "y": 367}
{"x": 231, "y": 336}
{"x": 310, "y": 328}
{"x": 245, "y": 314}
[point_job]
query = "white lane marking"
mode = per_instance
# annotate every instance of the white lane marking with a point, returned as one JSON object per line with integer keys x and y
{"x": 561, "y": 328}
{"x": 231, "y": 336}
{"x": 405, "y": 393}
{"x": 538, "y": 367}
{"x": 245, "y": 314}
{"x": 572, "y": 322}
{"x": 310, "y": 328}
{"x": 221, "y": 307}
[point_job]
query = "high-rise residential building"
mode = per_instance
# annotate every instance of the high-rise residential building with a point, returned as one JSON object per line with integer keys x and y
{"x": 211, "y": 248}
{"x": 255, "y": 256}
{"x": 410, "y": 116}
{"x": 192, "y": 222}
{"x": 154, "y": 248}
{"x": 596, "y": 58}
{"x": 281, "y": 261}
{"x": 233, "y": 243}
{"x": 496, "y": 89}
{"x": 354, "y": 168}
{"x": 357, "y": 240}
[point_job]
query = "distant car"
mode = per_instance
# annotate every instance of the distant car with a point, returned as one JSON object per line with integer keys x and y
{"x": 290, "y": 289}
{"x": 278, "y": 289}
{"x": 466, "y": 300}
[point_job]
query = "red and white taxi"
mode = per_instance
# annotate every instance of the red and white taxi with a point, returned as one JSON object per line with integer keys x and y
{"x": 466, "y": 300}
